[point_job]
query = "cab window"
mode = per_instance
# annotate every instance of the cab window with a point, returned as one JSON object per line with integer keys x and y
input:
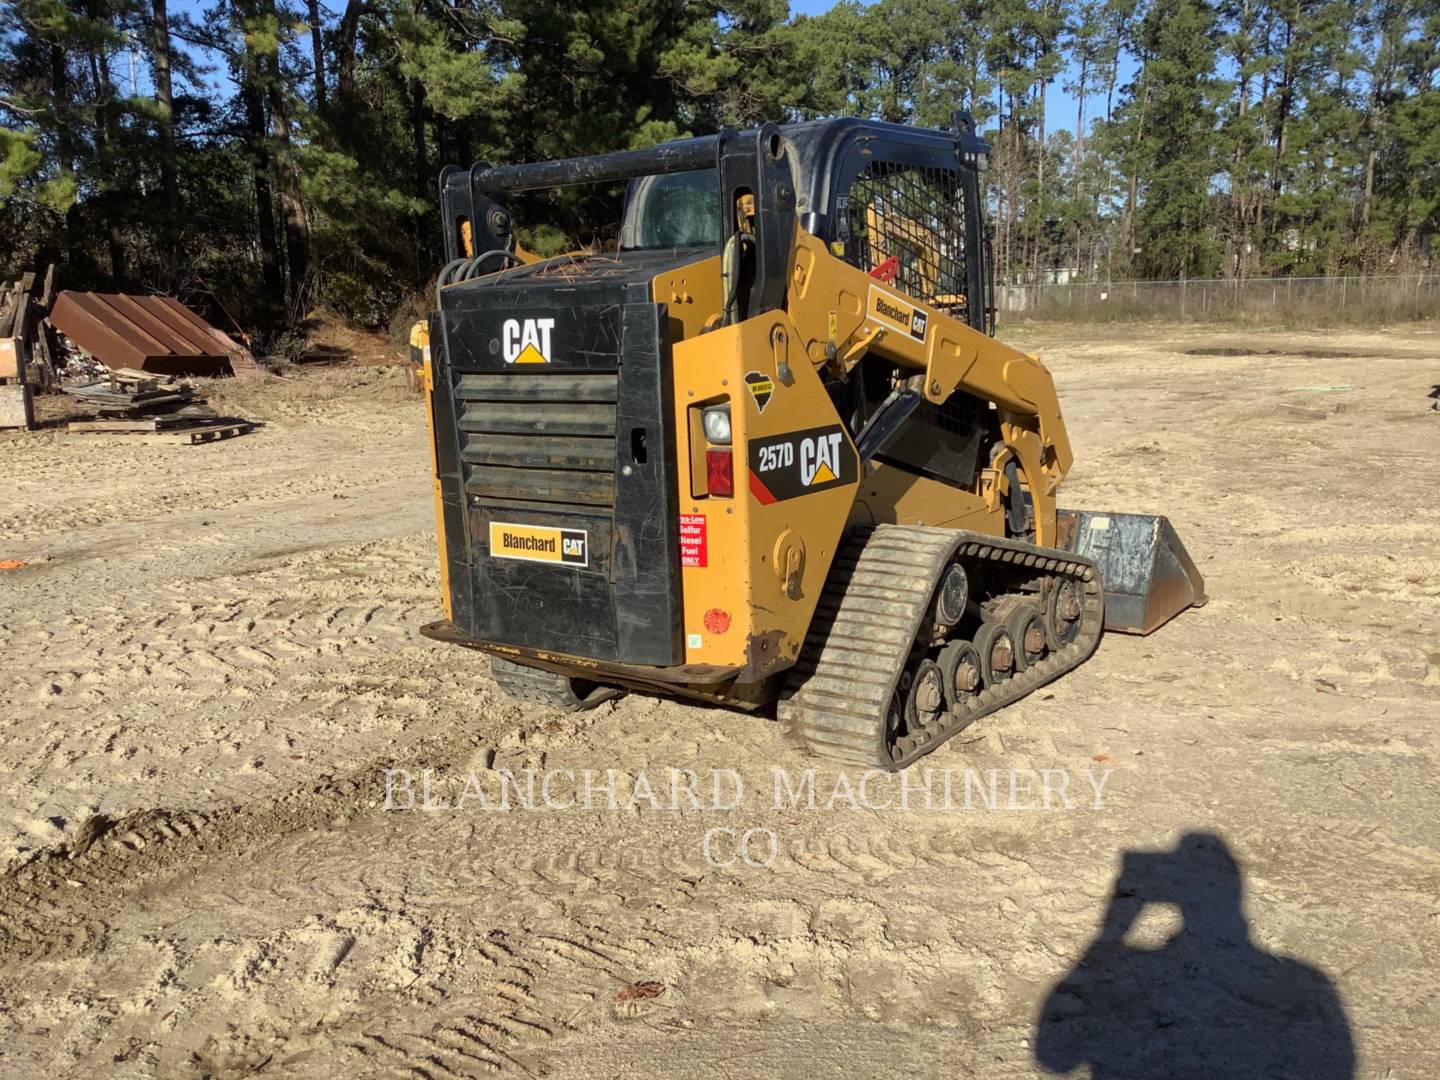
{"x": 673, "y": 210}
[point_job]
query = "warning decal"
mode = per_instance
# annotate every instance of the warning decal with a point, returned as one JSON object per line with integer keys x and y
{"x": 799, "y": 462}
{"x": 693, "y": 543}
{"x": 539, "y": 543}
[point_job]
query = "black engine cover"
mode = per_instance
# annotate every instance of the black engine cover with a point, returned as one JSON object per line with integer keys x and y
{"x": 555, "y": 447}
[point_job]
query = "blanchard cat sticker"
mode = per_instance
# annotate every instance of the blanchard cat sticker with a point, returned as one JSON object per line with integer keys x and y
{"x": 800, "y": 462}
{"x": 890, "y": 310}
{"x": 539, "y": 543}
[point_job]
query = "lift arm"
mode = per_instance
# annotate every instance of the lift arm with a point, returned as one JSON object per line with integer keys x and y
{"x": 843, "y": 313}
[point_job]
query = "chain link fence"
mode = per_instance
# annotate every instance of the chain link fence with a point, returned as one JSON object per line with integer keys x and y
{"x": 1371, "y": 299}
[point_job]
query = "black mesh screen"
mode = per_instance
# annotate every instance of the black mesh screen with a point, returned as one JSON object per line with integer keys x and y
{"x": 907, "y": 227}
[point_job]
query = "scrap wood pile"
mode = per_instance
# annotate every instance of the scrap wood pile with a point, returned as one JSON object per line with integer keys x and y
{"x": 26, "y": 341}
{"x": 135, "y": 404}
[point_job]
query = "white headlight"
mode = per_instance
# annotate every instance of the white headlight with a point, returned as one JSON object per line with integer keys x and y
{"x": 716, "y": 421}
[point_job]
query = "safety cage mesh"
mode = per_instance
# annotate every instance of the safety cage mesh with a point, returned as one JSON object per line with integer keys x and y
{"x": 907, "y": 227}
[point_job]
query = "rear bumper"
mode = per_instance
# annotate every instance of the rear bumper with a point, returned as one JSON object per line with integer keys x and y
{"x": 584, "y": 667}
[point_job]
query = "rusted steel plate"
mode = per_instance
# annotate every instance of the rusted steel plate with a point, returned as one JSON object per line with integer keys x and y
{"x": 145, "y": 333}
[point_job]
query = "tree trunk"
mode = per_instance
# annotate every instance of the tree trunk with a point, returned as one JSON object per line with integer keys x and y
{"x": 1239, "y": 194}
{"x": 164, "y": 99}
{"x": 1080, "y": 124}
{"x": 419, "y": 158}
{"x": 292, "y": 206}
{"x": 74, "y": 230}
{"x": 420, "y": 163}
{"x": 345, "y": 50}
{"x": 1133, "y": 191}
{"x": 1380, "y": 78}
{"x": 1282, "y": 113}
{"x": 105, "y": 139}
{"x": 317, "y": 47}
{"x": 1112, "y": 75}
{"x": 264, "y": 195}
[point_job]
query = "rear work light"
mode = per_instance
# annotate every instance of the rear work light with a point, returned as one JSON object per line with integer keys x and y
{"x": 716, "y": 422}
{"x": 719, "y": 472}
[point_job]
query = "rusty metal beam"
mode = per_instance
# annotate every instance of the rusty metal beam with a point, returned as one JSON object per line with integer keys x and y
{"x": 146, "y": 333}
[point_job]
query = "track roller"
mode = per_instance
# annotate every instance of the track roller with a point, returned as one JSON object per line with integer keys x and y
{"x": 1064, "y": 605}
{"x": 997, "y": 653}
{"x": 960, "y": 669}
{"x": 1026, "y": 624}
{"x": 925, "y": 699}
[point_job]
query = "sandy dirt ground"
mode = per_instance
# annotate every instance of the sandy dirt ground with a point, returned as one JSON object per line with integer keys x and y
{"x": 212, "y": 656}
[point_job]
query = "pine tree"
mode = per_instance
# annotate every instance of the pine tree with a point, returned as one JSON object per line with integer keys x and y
{"x": 1175, "y": 140}
{"x": 1240, "y": 137}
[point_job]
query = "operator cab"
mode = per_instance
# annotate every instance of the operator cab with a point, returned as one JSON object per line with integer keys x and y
{"x": 901, "y": 203}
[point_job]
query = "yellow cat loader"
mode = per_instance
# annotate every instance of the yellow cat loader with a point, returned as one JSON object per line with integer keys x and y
{"x": 760, "y": 446}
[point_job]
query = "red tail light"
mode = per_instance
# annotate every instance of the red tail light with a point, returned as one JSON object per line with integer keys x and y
{"x": 719, "y": 472}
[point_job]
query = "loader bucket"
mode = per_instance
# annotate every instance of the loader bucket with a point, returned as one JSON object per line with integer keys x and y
{"x": 1147, "y": 574}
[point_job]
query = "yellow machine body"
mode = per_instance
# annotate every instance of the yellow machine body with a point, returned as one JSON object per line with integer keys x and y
{"x": 775, "y": 370}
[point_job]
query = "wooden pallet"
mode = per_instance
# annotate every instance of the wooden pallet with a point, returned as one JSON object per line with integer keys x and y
{"x": 146, "y": 431}
{"x": 116, "y": 426}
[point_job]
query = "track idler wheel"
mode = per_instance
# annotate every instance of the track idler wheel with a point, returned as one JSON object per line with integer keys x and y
{"x": 996, "y": 650}
{"x": 1027, "y": 631}
{"x": 961, "y": 671}
{"x": 951, "y": 597}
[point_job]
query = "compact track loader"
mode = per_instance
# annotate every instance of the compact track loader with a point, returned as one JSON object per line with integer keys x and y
{"x": 760, "y": 445}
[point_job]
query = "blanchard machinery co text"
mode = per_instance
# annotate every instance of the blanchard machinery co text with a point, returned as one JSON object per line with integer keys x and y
{"x": 721, "y": 790}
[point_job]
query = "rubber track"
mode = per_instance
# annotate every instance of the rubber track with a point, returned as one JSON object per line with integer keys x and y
{"x": 834, "y": 700}
{"x": 547, "y": 687}
{"x": 532, "y": 684}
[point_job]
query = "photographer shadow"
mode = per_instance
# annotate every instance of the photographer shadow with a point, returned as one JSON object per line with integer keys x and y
{"x": 1207, "y": 1003}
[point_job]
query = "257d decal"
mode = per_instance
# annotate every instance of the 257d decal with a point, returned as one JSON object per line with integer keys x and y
{"x": 800, "y": 462}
